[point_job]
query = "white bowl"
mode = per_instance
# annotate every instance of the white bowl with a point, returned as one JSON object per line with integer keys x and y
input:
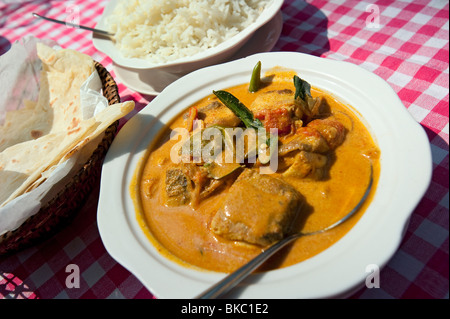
{"x": 405, "y": 175}
{"x": 153, "y": 81}
{"x": 186, "y": 64}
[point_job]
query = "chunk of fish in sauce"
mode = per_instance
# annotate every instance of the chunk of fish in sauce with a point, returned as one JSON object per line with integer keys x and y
{"x": 259, "y": 209}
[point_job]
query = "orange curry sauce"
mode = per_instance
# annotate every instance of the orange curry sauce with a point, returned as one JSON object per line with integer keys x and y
{"x": 183, "y": 233}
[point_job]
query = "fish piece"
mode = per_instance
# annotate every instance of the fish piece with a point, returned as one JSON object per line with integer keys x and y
{"x": 307, "y": 165}
{"x": 277, "y": 99}
{"x": 216, "y": 113}
{"x": 178, "y": 187}
{"x": 259, "y": 209}
{"x": 331, "y": 130}
{"x": 305, "y": 139}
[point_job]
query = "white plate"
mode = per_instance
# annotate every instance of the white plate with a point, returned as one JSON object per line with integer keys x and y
{"x": 404, "y": 177}
{"x": 186, "y": 64}
{"x": 153, "y": 81}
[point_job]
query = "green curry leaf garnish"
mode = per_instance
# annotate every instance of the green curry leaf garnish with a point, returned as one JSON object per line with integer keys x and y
{"x": 239, "y": 109}
{"x": 302, "y": 89}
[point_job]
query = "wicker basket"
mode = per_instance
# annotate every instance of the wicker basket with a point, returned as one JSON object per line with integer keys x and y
{"x": 59, "y": 211}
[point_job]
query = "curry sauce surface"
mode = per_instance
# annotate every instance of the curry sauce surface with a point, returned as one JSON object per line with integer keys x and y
{"x": 183, "y": 233}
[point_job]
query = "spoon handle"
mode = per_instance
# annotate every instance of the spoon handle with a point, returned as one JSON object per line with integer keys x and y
{"x": 73, "y": 25}
{"x": 233, "y": 279}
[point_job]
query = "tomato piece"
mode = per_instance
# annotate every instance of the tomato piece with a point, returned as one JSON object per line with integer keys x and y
{"x": 279, "y": 119}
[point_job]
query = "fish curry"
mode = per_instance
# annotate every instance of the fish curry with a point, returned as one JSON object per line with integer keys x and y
{"x": 217, "y": 215}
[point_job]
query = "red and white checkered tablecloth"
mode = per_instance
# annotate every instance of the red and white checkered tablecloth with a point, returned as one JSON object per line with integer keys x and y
{"x": 404, "y": 42}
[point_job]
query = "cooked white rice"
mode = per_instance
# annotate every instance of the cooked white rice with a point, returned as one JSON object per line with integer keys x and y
{"x": 166, "y": 30}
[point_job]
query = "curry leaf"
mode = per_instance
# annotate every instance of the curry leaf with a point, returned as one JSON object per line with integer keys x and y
{"x": 302, "y": 89}
{"x": 239, "y": 109}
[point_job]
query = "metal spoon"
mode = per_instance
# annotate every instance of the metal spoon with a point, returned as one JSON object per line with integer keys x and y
{"x": 102, "y": 32}
{"x": 230, "y": 281}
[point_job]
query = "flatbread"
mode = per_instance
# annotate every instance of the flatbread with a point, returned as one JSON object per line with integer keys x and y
{"x": 43, "y": 134}
{"x": 58, "y": 106}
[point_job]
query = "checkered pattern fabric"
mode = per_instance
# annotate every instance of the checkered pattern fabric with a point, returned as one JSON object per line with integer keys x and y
{"x": 404, "y": 42}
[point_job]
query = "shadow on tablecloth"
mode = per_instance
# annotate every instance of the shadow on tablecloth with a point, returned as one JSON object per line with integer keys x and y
{"x": 305, "y": 29}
